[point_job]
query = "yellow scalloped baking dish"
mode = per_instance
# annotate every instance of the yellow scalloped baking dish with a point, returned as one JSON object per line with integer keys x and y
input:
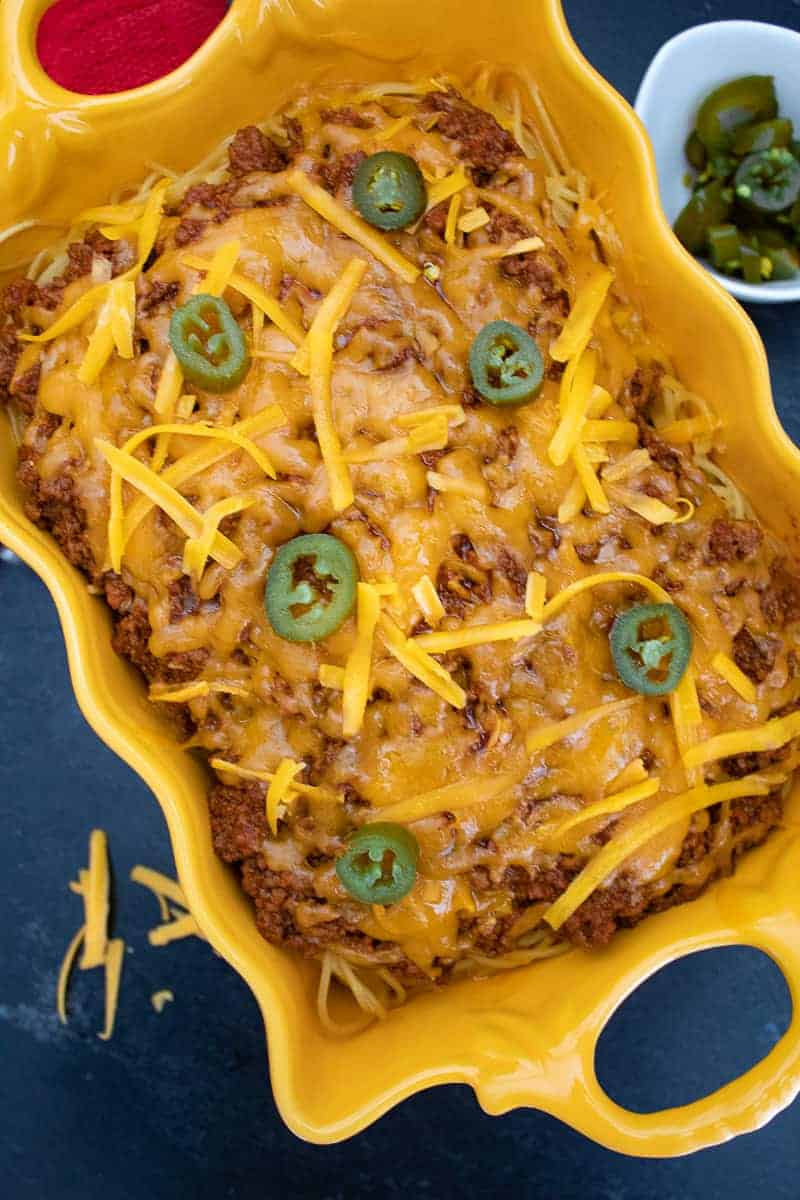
{"x": 526, "y": 1037}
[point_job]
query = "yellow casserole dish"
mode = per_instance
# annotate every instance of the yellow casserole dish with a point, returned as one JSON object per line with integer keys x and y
{"x": 527, "y": 1038}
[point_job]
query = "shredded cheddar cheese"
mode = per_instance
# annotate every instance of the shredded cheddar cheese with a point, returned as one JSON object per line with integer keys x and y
{"x": 331, "y": 676}
{"x": 477, "y": 635}
{"x": 280, "y": 790}
{"x": 577, "y": 330}
{"x": 658, "y": 819}
{"x": 535, "y": 594}
{"x": 772, "y": 735}
{"x": 453, "y": 797}
{"x": 191, "y": 464}
{"x": 160, "y": 999}
{"x": 221, "y": 267}
{"x": 590, "y": 484}
{"x": 355, "y": 688}
{"x": 610, "y": 431}
{"x": 453, "y": 413}
{"x": 196, "y": 550}
{"x": 542, "y": 738}
{"x": 350, "y": 224}
{"x": 262, "y": 302}
{"x": 442, "y": 189}
{"x": 305, "y": 789}
{"x": 426, "y": 596}
{"x": 429, "y": 435}
{"x": 469, "y": 489}
{"x": 475, "y": 219}
{"x": 182, "y": 927}
{"x": 576, "y": 395}
{"x": 96, "y": 903}
{"x": 160, "y": 885}
{"x": 173, "y": 504}
{"x": 64, "y": 972}
{"x": 319, "y": 345}
{"x": 419, "y": 664}
{"x": 451, "y": 223}
{"x": 113, "y": 962}
{"x": 649, "y": 507}
{"x": 169, "y": 385}
{"x": 735, "y": 677}
{"x": 610, "y": 806}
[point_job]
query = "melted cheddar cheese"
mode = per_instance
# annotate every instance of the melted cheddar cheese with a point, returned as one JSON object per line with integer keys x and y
{"x": 471, "y": 695}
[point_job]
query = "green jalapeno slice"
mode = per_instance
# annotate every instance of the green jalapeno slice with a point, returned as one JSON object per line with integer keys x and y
{"x": 709, "y": 206}
{"x": 311, "y": 587}
{"x": 651, "y": 645}
{"x": 379, "y": 865}
{"x": 762, "y": 135}
{"x": 389, "y": 190}
{"x": 506, "y": 364}
{"x": 738, "y": 102}
{"x": 208, "y": 344}
{"x": 768, "y": 181}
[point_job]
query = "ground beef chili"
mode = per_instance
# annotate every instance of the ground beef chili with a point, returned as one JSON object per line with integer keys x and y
{"x": 489, "y": 867}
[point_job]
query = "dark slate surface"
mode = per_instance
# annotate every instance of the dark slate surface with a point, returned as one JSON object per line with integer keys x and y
{"x": 178, "y": 1105}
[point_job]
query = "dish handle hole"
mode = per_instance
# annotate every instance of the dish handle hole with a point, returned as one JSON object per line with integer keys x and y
{"x": 694, "y": 1026}
{"x": 98, "y": 47}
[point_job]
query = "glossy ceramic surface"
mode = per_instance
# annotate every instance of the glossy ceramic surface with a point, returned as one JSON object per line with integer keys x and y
{"x": 527, "y": 1037}
{"x": 681, "y": 75}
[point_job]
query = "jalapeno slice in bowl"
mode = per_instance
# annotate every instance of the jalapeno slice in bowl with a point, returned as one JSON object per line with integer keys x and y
{"x": 389, "y": 190}
{"x": 651, "y": 645}
{"x": 379, "y": 865}
{"x": 311, "y": 587}
{"x": 768, "y": 181}
{"x": 208, "y": 344}
{"x": 506, "y": 364}
{"x": 738, "y": 102}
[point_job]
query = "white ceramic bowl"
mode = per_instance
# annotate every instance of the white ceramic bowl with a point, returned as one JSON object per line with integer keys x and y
{"x": 679, "y": 78}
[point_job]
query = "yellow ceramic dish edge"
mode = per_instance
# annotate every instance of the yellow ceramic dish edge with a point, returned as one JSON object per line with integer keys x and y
{"x": 526, "y": 1037}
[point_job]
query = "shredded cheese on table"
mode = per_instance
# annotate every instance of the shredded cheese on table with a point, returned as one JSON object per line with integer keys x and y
{"x": 542, "y": 738}
{"x": 95, "y": 891}
{"x": 160, "y": 885}
{"x": 735, "y": 677}
{"x": 772, "y": 735}
{"x": 654, "y": 822}
{"x": 477, "y": 635}
{"x": 64, "y": 972}
{"x": 350, "y": 224}
{"x": 114, "y": 959}
{"x": 161, "y": 998}
{"x": 172, "y": 931}
{"x": 355, "y": 687}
